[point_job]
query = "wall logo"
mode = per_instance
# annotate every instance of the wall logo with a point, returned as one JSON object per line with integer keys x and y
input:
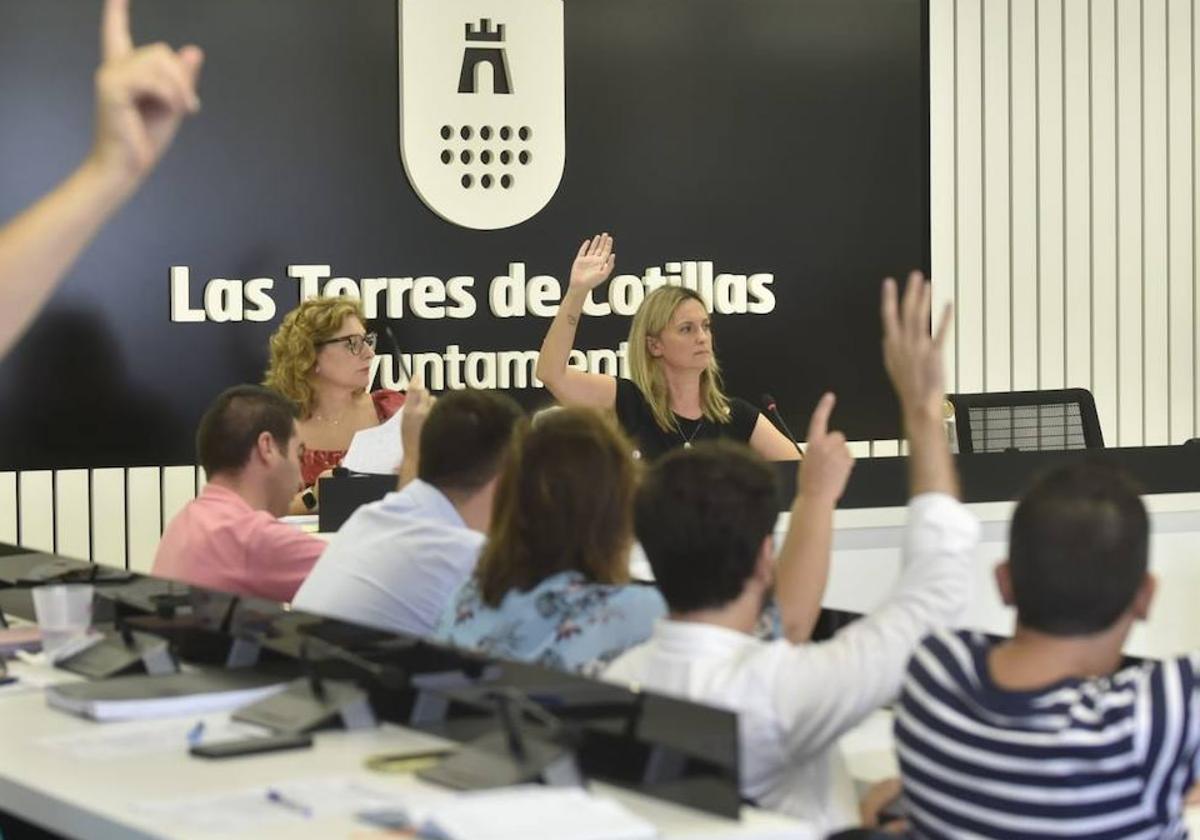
{"x": 482, "y": 126}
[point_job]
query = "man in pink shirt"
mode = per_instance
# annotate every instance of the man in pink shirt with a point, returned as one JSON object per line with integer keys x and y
{"x": 230, "y": 537}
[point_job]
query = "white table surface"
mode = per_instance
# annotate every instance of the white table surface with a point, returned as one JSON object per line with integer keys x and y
{"x": 98, "y": 798}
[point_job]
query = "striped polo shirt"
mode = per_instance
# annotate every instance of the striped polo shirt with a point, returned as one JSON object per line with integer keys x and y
{"x": 1098, "y": 758}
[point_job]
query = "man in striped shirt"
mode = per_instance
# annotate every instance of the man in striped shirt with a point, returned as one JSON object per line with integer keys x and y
{"x": 1049, "y": 734}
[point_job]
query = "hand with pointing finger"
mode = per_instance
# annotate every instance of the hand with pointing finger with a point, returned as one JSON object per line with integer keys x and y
{"x": 827, "y": 458}
{"x": 142, "y": 96}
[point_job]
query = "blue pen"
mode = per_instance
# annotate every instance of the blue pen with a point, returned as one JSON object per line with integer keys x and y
{"x": 195, "y": 734}
{"x": 289, "y": 803}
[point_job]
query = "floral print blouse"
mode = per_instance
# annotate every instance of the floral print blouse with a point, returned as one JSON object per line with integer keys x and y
{"x": 564, "y": 622}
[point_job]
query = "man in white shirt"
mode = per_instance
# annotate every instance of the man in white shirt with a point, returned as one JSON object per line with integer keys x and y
{"x": 395, "y": 563}
{"x": 704, "y": 519}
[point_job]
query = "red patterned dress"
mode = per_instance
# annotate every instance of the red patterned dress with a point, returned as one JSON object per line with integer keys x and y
{"x": 316, "y": 461}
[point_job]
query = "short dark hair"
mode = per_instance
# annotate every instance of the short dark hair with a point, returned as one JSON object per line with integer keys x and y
{"x": 1078, "y": 549}
{"x": 701, "y": 515}
{"x": 465, "y": 437}
{"x": 230, "y": 428}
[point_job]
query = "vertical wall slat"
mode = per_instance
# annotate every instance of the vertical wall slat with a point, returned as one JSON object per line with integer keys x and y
{"x": 970, "y": 277}
{"x": 1181, "y": 291}
{"x": 1077, "y": 205}
{"x": 1023, "y": 212}
{"x": 143, "y": 512}
{"x": 1194, "y": 45}
{"x": 8, "y": 507}
{"x": 1051, "y": 323}
{"x": 1129, "y": 221}
{"x": 1156, "y": 386}
{"x": 997, "y": 199}
{"x": 108, "y": 516}
{"x": 1103, "y": 230}
{"x": 36, "y": 509}
{"x": 179, "y": 488}
{"x": 71, "y": 515}
{"x": 942, "y": 167}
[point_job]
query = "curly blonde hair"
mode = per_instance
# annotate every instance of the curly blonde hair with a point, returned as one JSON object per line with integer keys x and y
{"x": 294, "y": 346}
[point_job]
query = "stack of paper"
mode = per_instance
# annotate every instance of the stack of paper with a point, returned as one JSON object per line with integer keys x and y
{"x": 142, "y": 697}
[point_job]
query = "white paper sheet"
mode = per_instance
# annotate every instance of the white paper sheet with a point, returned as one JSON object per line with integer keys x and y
{"x": 240, "y": 811}
{"x": 536, "y": 813}
{"x": 378, "y": 449}
{"x": 122, "y": 740}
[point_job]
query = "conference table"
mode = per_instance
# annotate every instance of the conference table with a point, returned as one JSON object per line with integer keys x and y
{"x": 136, "y": 780}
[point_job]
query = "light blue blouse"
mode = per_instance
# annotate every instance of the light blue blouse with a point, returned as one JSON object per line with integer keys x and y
{"x": 564, "y": 622}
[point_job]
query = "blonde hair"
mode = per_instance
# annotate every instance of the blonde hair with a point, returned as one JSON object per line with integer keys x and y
{"x": 294, "y": 346}
{"x": 654, "y": 316}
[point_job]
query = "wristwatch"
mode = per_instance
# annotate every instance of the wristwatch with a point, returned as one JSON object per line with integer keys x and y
{"x": 309, "y": 498}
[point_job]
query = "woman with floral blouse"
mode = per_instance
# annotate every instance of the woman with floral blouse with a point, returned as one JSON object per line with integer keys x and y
{"x": 552, "y": 585}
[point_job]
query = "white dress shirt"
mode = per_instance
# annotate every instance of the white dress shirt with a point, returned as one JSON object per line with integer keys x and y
{"x": 395, "y": 563}
{"x": 795, "y": 701}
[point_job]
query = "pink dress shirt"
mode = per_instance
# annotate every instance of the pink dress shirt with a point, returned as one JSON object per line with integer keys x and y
{"x": 220, "y": 542}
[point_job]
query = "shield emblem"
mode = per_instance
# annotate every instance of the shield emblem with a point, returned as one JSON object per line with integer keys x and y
{"x": 482, "y": 117}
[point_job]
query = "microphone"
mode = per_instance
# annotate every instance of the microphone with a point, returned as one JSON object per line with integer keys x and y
{"x": 773, "y": 412}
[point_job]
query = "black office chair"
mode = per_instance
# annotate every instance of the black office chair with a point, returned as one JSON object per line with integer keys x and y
{"x": 1027, "y": 421}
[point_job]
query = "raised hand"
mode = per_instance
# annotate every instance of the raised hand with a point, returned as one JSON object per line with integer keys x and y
{"x": 827, "y": 458}
{"x": 594, "y": 262}
{"x": 417, "y": 404}
{"x": 912, "y": 357}
{"x": 142, "y": 95}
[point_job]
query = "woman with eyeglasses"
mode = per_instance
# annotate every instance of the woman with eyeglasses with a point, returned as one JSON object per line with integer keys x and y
{"x": 321, "y": 359}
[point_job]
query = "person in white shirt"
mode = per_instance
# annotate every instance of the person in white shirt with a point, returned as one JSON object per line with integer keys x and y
{"x": 704, "y": 517}
{"x": 395, "y": 563}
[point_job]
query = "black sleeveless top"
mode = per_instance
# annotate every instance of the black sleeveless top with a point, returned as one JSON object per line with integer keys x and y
{"x": 635, "y": 417}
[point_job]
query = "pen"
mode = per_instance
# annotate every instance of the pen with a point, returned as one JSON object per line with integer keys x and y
{"x": 291, "y": 804}
{"x": 195, "y": 734}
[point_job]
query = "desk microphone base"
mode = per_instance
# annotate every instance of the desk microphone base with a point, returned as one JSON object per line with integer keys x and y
{"x": 488, "y": 762}
{"x": 298, "y": 709}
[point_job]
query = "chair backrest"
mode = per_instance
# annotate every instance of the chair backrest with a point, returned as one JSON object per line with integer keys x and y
{"x": 1027, "y": 421}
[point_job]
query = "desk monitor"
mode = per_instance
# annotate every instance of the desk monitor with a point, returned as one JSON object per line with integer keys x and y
{"x": 342, "y": 495}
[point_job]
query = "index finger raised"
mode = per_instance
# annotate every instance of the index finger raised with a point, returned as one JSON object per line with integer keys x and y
{"x": 818, "y": 426}
{"x": 115, "y": 40}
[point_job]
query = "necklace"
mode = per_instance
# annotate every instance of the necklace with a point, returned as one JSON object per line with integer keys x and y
{"x": 333, "y": 421}
{"x": 687, "y": 441}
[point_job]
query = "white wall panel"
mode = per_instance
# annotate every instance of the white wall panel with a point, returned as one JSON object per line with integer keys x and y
{"x": 1156, "y": 323}
{"x": 996, "y": 278}
{"x": 8, "y": 507}
{"x": 1104, "y": 215}
{"x": 144, "y": 514}
{"x": 1022, "y": 211}
{"x": 968, "y": 336}
{"x": 1077, "y": 209}
{"x": 108, "y": 517}
{"x": 1181, "y": 324}
{"x": 36, "y": 509}
{"x": 71, "y": 518}
{"x": 1048, "y": 59}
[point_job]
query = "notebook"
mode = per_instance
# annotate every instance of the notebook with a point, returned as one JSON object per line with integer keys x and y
{"x": 142, "y": 696}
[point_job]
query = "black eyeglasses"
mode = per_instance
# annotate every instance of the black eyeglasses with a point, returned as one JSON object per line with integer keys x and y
{"x": 354, "y": 343}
